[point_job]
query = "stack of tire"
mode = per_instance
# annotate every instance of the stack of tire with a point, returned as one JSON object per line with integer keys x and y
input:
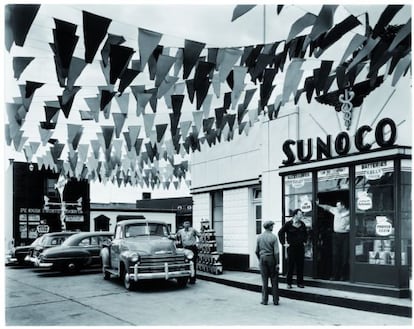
{"x": 209, "y": 260}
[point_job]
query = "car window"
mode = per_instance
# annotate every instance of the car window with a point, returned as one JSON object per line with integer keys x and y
{"x": 94, "y": 240}
{"x": 55, "y": 241}
{"x": 136, "y": 230}
{"x": 84, "y": 242}
{"x": 158, "y": 230}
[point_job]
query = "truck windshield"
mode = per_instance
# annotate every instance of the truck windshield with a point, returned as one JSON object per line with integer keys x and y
{"x": 145, "y": 229}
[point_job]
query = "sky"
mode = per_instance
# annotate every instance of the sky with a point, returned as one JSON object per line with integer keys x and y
{"x": 209, "y": 23}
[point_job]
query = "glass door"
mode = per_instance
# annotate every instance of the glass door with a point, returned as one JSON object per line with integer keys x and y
{"x": 298, "y": 195}
{"x": 332, "y": 248}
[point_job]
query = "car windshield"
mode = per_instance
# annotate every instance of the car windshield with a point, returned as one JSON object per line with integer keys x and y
{"x": 146, "y": 229}
{"x": 36, "y": 242}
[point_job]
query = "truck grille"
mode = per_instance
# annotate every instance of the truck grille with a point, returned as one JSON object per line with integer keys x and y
{"x": 154, "y": 264}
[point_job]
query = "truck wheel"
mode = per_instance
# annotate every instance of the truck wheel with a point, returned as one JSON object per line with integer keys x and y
{"x": 129, "y": 284}
{"x": 182, "y": 282}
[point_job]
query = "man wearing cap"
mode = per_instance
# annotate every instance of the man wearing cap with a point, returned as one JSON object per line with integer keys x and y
{"x": 267, "y": 251}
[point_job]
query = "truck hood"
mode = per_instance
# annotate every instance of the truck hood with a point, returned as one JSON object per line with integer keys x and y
{"x": 150, "y": 245}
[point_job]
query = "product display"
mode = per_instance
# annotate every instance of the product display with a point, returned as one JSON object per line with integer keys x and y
{"x": 209, "y": 260}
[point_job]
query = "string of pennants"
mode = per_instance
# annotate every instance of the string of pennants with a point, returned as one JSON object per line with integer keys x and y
{"x": 147, "y": 154}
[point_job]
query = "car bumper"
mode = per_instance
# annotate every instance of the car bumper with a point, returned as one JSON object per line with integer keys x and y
{"x": 33, "y": 260}
{"x": 11, "y": 260}
{"x": 168, "y": 273}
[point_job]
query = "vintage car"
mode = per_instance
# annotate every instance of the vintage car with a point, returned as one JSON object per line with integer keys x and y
{"x": 17, "y": 255}
{"x": 143, "y": 249}
{"x": 46, "y": 241}
{"x": 81, "y": 250}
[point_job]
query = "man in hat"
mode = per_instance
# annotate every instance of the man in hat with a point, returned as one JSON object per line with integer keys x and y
{"x": 267, "y": 251}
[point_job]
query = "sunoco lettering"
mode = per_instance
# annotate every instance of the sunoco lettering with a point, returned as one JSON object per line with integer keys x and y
{"x": 342, "y": 143}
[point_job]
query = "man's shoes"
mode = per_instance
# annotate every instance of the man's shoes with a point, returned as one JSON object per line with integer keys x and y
{"x": 289, "y": 286}
{"x": 276, "y": 303}
{"x": 191, "y": 282}
{"x": 263, "y": 303}
{"x": 301, "y": 286}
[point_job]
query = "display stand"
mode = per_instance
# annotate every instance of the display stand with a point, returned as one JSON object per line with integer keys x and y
{"x": 209, "y": 260}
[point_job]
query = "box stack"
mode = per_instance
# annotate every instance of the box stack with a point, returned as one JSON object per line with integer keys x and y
{"x": 208, "y": 257}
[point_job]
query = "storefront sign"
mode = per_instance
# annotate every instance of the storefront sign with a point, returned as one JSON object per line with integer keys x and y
{"x": 342, "y": 143}
{"x": 306, "y": 206}
{"x": 383, "y": 227}
{"x": 364, "y": 201}
{"x": 42, "y": 228}
{"x": 374, "y": 170}
{"x": 298, "y": 180}
{"x": 73, "y": 218}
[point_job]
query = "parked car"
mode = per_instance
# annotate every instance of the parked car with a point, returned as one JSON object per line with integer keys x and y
{"x": 141, "y": 250}
{"x": 78, "y": 251}
{"x": 47, "y": 240}
{"x": 18, "y": 254}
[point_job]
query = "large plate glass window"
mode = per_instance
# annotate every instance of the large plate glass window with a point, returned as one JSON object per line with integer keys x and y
{"x": 374, "y": 210}
{"x": 406, "y": 202}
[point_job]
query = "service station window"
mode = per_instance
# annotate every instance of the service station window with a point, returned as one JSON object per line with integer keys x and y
{"x": 374, "y": 209}
{"x": 298, "y": 194}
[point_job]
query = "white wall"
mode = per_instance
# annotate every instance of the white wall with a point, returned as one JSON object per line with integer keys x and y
{"x": 169, "y": 218}
{"x": 8, "y": 207}
{"x": 201, "y": 209}
{"x": 235, "y": 221}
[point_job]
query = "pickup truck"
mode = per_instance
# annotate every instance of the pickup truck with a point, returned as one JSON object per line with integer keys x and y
{"x": 144, "y": 249}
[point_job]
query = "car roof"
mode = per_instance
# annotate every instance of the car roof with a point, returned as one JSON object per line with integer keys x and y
{"x": 82, "y": 235}
{"x": 140, "y": 221}
{"x": 59, "y": 234}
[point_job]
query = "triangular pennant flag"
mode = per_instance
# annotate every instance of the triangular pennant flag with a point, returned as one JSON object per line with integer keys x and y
{"x": 134, "y": 133}
{"x": 74, "y": 134}
{"x": 230, "y": 57}
{"x": 153, "y": 100}
{"x": 190, "y": 89}
{"x": 192, "y": 50}
{"x": 86, "y": 115}
{"x": 56, "y": 151}
{"x": 198, "y": 118}
{"x": 148, "y": 122}
{"x": 355, "y": 43}
{"x": 94, "y": 105}
{"x": 403, "y": 33}
{"x": 106, "y": 97}
{"x": 51, "y": 112}
{"x": 123, "y": 103}
{"x": 324, "y": 72}
{"x": 65, "y": 42}
{"x": 45, "y": 135}
{"x": 300, "y": 24}
{"x": 239, "y": 74}
{"x": 386, "y": 16}
{"x": 75, "y": 69}
{"x": 185, "y": 127}
{"x": 34, "y": 146}
{"x": 164, "y": 65}
{"x": 201, "y": 92}
{"x": 324, "y": 21}
{"x": 165, "y": 86}
{"x": 95, "y": 148}
{"x": 248, "y": 97}
{"x": 401, "y": 68}
{"x": 126, "y": 79}
{"x": 337, "y": 32}
{"x": 94, "y": 31}
{"x": 240, "y": 10}
{"x": 253, "y": 116}
{"x": 266, "y": 87}
{"x": 142, "y": 102}
{"x": 160, "y": 131}
{"x": 119, "y": 120}
{"x": 19, "y": 18}
{"x": 31, "y": 88}
{"x": 112, "y": 39}
{"x": 147, "y": 42}
{"x": 293, "y": 76}
{"x": 263, "y": 60}
{"x": 152, "y": 61}
{"x": 207, "y": 105}
{"x": 107, "y": 132}
{"x": 19, "y": 64}
{"x": 363, "y": 52}
{"x": 216, "y": 85}
{"x": 119, "y": 57}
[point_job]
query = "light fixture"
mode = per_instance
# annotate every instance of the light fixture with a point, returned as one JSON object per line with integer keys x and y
{"x": 31, "y": 166}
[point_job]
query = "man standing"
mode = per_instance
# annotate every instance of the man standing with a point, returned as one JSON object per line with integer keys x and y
{"x": 267, "y": 251}
{"x": 340, "y": 241}
{"x": 294, "y": 231}
{"x": 188, "y": 237}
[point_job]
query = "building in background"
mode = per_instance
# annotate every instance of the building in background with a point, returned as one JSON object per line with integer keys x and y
{"x": 35, "y": 206}
{"x": 173, "y": 211}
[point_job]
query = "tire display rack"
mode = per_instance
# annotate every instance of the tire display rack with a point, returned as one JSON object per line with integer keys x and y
{"x": 209, "y": 260}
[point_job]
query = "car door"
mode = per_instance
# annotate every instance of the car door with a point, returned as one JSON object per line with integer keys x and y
{"x": 115, "y": 247}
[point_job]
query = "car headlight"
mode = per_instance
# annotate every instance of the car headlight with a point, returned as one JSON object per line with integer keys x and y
{"x": 134, "y": 257}
{"x": 188, "y": 254}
